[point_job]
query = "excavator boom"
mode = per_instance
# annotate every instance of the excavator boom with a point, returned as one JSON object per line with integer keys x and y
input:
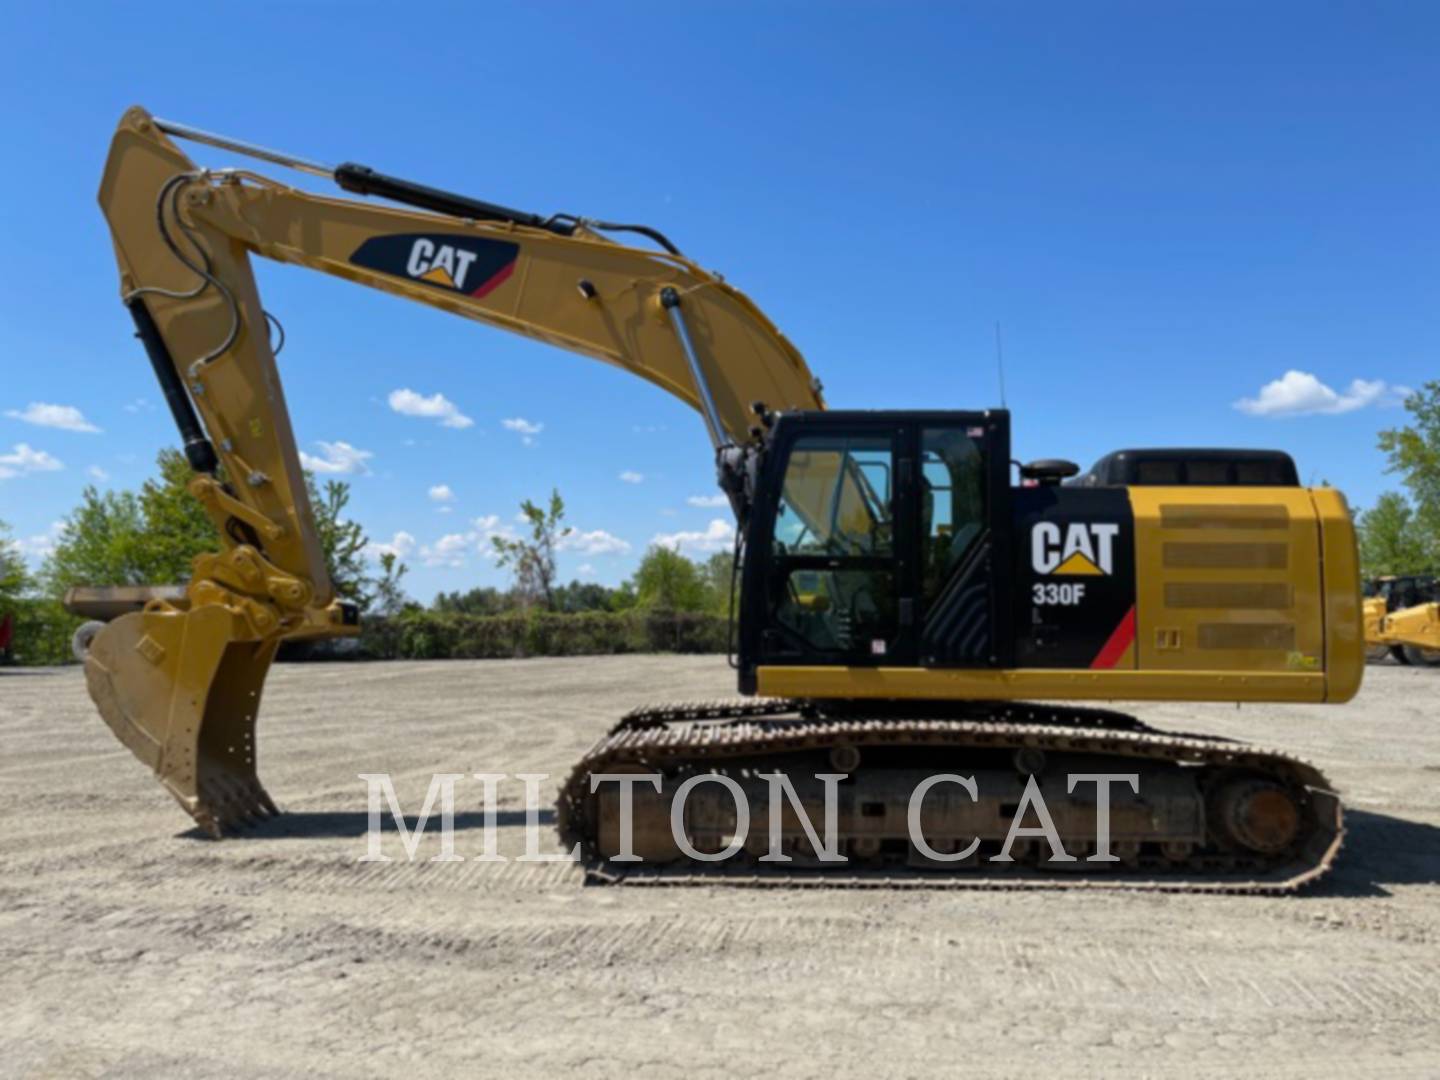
{"x": 179, "y": 682}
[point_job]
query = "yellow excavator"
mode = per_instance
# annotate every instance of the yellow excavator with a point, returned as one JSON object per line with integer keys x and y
{"x": 907, "y": 606}
{"x": 1402, "y": 619}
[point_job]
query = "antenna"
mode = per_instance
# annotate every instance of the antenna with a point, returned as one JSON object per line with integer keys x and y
{"x": 1000, "y": 363}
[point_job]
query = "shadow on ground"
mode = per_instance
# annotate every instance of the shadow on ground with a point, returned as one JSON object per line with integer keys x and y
{"x": 1381, "y": 850}
{"x": 314, "y": 825}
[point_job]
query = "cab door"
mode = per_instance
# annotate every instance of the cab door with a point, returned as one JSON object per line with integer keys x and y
{"x": 963, "y": 539}
{"x": 836, "y": 577}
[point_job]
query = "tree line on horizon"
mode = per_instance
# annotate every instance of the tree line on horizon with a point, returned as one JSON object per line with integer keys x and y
{"x": 150, "y": 536}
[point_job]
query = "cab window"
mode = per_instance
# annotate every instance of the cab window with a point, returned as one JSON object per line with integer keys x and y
{"x": 952, "y": 509}
{"x": 837, "y": 498}
{"x": 833, "y": 589}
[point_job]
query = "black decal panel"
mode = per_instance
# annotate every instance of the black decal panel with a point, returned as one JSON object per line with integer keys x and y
{"x": 1074, "y": 577}
{"x": 472, "y": 265}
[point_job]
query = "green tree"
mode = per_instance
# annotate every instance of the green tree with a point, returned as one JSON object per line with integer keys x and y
{"x": 582, "y": 596}
{"x": 389, "y": 598}
{"x": 14, "y": 576}
{"x": 342, "y": 540}
{"x": 668, "y": 581}
{"x": 720, "y": 577}
{"x": 152, "y": 537}
{"x": 130, "y": 538}
{"x": 1392, "y": 540}
{"x": 175, "y": 525}
{"x": 41, "y": 627}
{"x": 623, "y": 598}
{"x": 482, "y": 600}
{"x": 533, "y": 561}
{"x": 1414, "y": 450}
{"x": 100, "y": 543}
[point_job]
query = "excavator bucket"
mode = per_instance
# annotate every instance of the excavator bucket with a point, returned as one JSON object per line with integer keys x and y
{"x": 181, "y": 689}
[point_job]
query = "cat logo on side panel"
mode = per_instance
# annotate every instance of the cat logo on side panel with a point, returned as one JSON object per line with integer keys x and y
{"x": 1077, "y": 548}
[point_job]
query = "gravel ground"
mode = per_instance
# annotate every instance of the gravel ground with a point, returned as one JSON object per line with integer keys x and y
{"x": 131, "y": 946}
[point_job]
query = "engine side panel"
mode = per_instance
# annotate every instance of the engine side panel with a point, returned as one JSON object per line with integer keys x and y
{"x": 1189, "y": 593}
{"x": 1227, "y": 579}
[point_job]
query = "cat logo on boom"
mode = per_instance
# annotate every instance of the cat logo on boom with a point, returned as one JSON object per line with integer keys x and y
{"x": 1076, "y": 548}
{"x": 473, "y": 265}
{"x": 440, "y": 264}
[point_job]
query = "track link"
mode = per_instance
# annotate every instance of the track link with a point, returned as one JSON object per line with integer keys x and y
{"x": 702, "y": 736}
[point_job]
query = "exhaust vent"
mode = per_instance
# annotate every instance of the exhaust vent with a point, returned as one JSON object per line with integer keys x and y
{"x": 1247, "y": 636}
{"x": 1230, "y": 595}
{"x": 1214, "y": 555}
{"x": 1186, "y": 516}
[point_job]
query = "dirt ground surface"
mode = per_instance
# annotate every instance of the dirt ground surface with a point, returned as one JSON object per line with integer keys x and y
{"x": 132, "y": 946}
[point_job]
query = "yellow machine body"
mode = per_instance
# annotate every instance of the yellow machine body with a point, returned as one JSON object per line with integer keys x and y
{"x": 1243, "y": 594}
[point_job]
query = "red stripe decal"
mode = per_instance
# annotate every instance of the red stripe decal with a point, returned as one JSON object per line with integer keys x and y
{"x": 1119, "y": 641}
{"x": 496, "y": 280}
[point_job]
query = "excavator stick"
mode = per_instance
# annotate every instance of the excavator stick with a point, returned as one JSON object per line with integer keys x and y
{"x": 181, "y": 688}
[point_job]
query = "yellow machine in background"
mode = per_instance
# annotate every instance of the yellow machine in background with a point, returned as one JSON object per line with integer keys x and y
{"x": 903, "y": 602}
{"x": 1402, "y": 620}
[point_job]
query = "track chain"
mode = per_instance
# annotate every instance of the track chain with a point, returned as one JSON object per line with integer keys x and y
{"x": 707, "y": 733}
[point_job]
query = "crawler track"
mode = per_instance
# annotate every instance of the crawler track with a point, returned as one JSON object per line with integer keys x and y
{"x": 707, "y": 736}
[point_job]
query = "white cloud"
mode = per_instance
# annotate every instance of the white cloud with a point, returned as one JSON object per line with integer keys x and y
{"x": 444, "y": 509}
{"x": 1299, "y": 393}
{"x": 526, "y": 429}
{"x": 340, "y": 459}
{"x": 23, "y": 459}
{"x": 38, "y": 547}
{"x": 399, "y": 545}
{"x": 585, "y": 570}
{"x": 64, "y": 417}
{"x": 140, "y": 404}
{"x": 597, "y": 542}
{"x": 489, "y": 526}
{"x": 441, "y": 493}
{"x": 708, "y": 500}
{"x": 450, "y": 550}
{"x": 437, "y": 406}
{"x": 95, "y": 472}
{"x": 630, "y": 476}
{"x": 718, "y": 536}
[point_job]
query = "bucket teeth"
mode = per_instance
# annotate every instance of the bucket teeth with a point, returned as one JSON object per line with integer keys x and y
{"x": 231, "y": 805}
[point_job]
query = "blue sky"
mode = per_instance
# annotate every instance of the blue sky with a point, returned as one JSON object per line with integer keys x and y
{"x": 1167, "y": 207}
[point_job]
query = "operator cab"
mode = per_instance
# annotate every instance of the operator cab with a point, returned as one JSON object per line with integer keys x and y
{"x": 897, "y": 540}
{"x": 873, "y": 541}
{"x": 1404, "y": 591}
